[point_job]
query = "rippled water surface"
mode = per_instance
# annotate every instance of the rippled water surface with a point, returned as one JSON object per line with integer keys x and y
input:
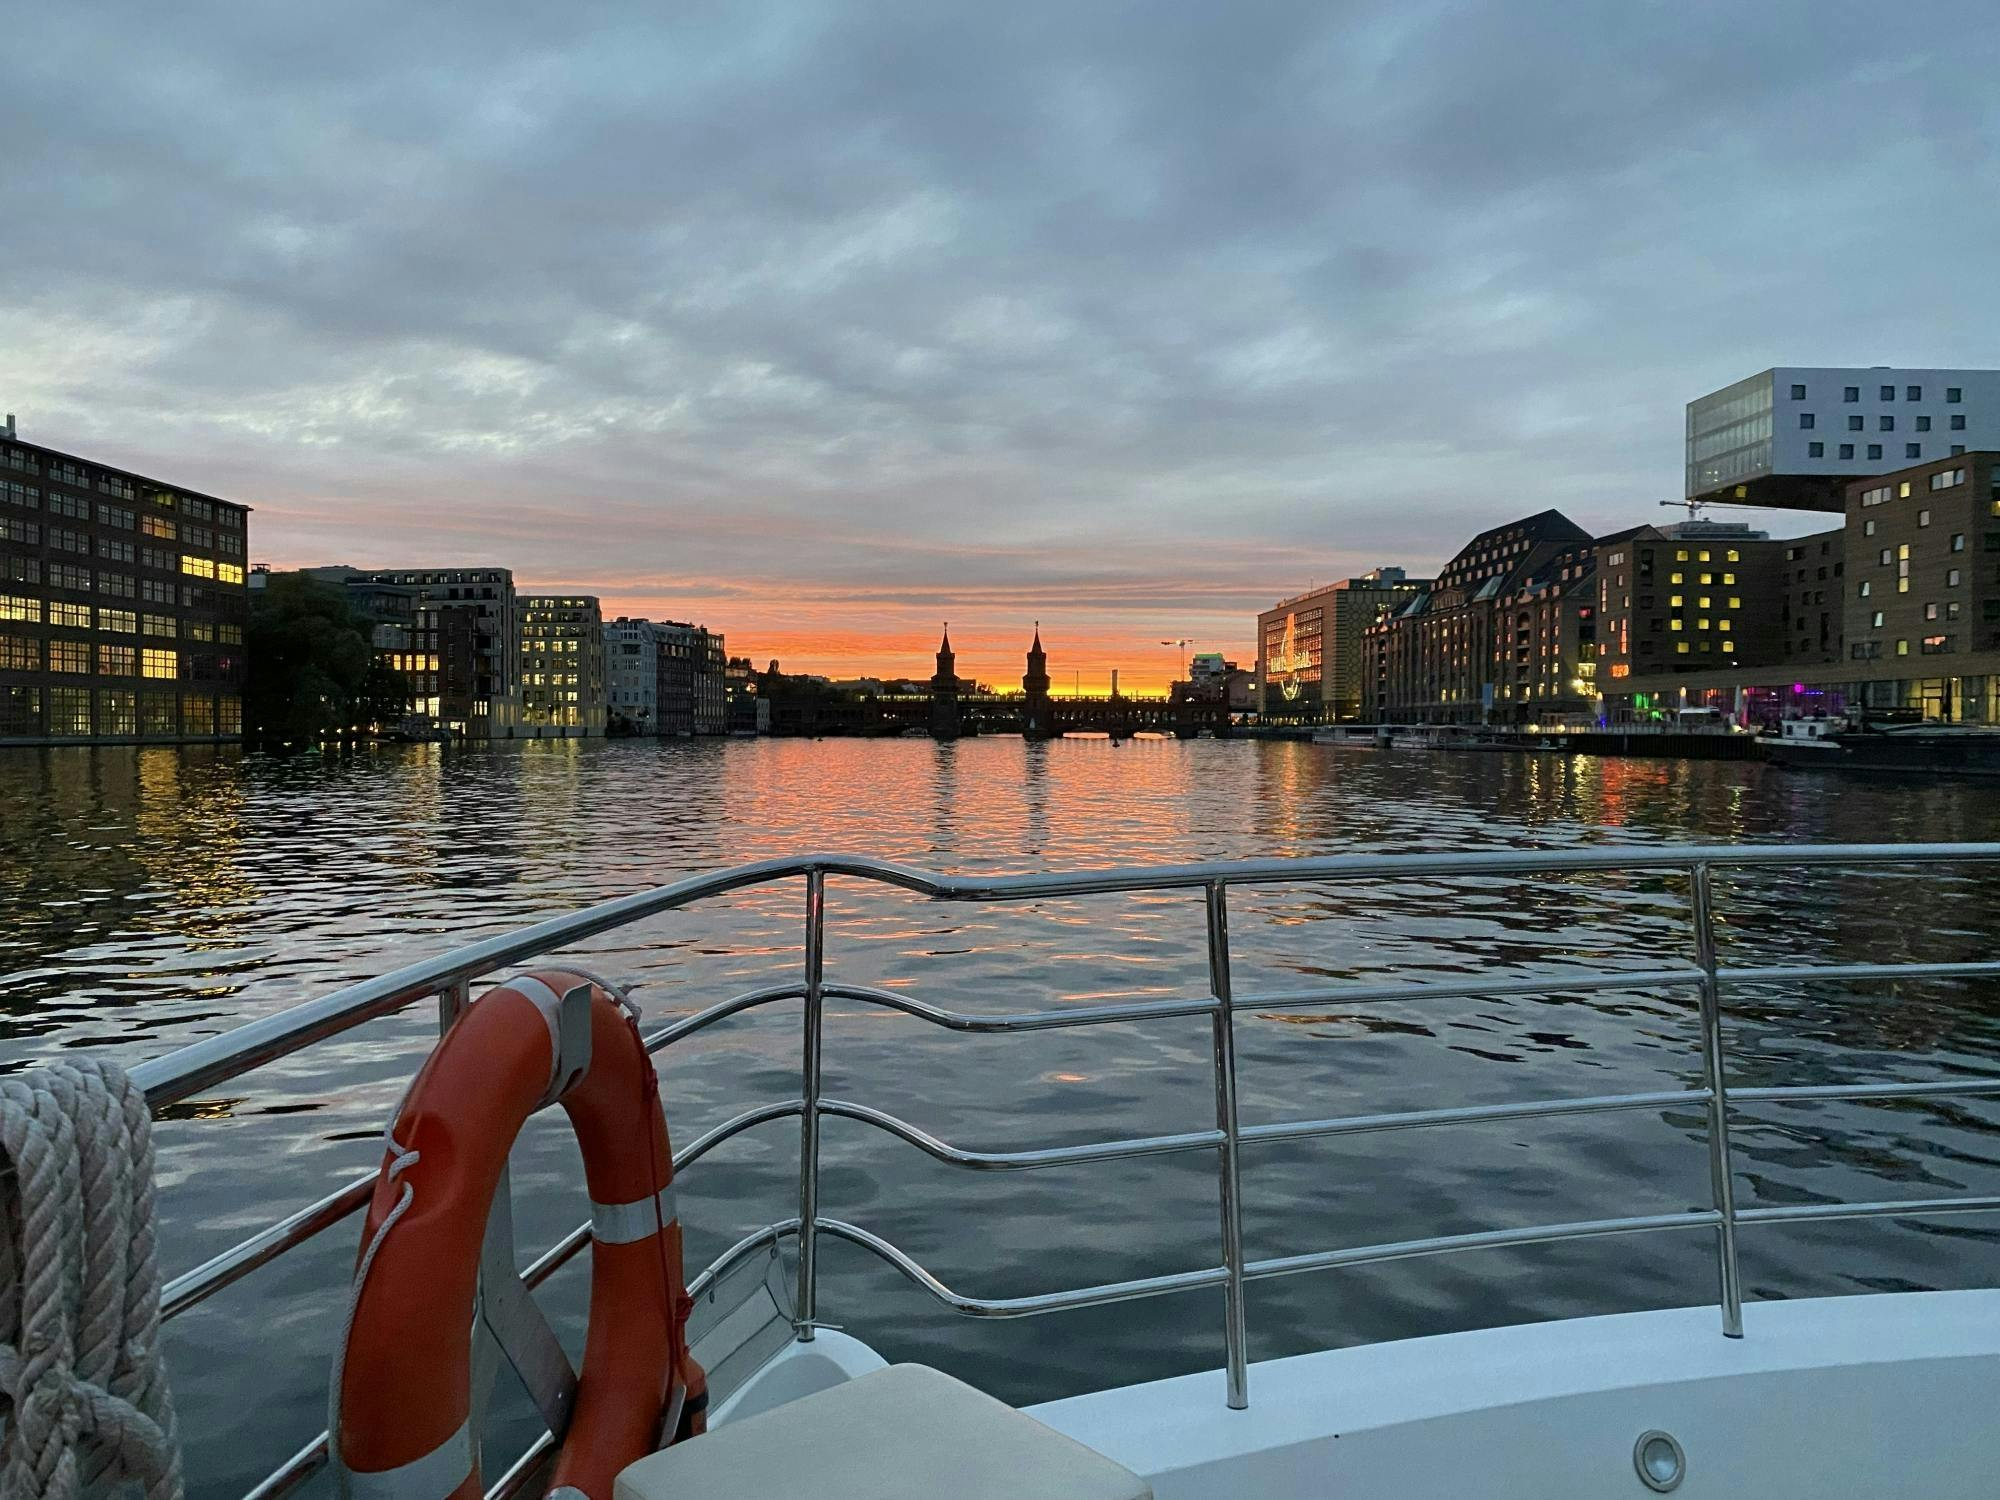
{"x": 151, "y": 897}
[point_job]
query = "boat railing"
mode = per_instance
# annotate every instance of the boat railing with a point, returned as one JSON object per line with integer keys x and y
{"x": 448, "y": 979}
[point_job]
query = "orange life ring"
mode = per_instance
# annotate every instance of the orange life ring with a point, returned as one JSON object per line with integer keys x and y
{"x": 403, "y": 1386}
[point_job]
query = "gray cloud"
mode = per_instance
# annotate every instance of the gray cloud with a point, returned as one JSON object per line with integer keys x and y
{"x": 818, "y": 298}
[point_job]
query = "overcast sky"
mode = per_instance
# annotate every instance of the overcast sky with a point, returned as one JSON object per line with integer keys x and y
{"x": 825, "y": 322}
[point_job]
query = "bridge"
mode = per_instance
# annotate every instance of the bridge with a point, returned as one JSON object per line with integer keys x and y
{"x": 952, "y": 708}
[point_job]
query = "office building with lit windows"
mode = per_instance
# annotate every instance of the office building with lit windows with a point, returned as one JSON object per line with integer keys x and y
{"x": 122, "y": 604}
{"x": 1310, "y": 651}
{"x": 562, "y": 666}
{"x": 1796, "y": 437}
{"x": 454, "y": 632}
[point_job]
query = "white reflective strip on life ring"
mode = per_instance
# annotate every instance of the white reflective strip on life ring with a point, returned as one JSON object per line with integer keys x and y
{"x": 431, "y": 1477}
{"x": 566, "y": 1492}
{"x": 549, "y": 1003}
{"x": 622, "y": 1223}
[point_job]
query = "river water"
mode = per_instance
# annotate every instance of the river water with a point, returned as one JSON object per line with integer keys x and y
{"x": 152, "y": 896}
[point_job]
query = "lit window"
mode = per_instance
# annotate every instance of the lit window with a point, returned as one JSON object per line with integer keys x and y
{"x": 1902, "y": 648}
{"x": 1701, "y": 624}
{"x": 161, "y": 664}
{"x": 1676, "y": 625}
{"x": 161, "y": 625}
{"x": 69, "y": 656}
{"x": 1702, "y": 602}
{"x": 197, "y": 567}
{"x": 1703, "y": 556}
{"x": 115, "y": 661}
{"x": 73, "y": 616}
{"x": 1675, "y": 601}
{"x": 228, "y": 573}
{"x": 1735, "y": 601}
{"x": 1676, "y": 577}
{"x": 159, "y": 526}
{"x": 1729, "y": 645}
{"x": 1681, "y": 647}
{"x": 1875, "y": 620}
{"x": 19, "y": 607}
{"x": 1681, "y": 556}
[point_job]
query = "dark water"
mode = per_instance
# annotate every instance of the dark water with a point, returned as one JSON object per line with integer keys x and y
{"x": 148, "y": 897}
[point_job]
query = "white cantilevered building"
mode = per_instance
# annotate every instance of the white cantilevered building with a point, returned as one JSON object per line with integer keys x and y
{"x": 1794, "y": 436}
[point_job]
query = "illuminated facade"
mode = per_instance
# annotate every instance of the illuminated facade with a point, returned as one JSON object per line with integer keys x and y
{"x": 1705, "y": 597}
{"x": 457, "y": 634}
{"x": 562, "y": 666}
{"x": 123, "y": 603}
{"x": 1310, "y": 647}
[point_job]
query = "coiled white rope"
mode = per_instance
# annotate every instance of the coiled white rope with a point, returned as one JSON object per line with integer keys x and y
{"x": 83, "y": 1392}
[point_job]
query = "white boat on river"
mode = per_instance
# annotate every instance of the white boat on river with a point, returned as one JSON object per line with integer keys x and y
{"x": 1853, "y": 1396}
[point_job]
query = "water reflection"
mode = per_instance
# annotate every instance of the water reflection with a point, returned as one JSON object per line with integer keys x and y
{"x": 152, "y": 896}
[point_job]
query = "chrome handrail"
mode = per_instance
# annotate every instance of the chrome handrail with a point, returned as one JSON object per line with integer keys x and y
{"x": 180, "y": 1075}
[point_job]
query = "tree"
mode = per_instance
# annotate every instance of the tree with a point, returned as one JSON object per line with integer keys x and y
{"x": 312, "y": 672}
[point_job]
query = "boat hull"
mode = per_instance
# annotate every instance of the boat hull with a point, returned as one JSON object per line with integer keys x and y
{"x": 1821, "y": 1399}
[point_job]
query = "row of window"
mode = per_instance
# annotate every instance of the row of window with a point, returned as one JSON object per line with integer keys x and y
{"x": 67, "y": 616}
{"x": 76, "y": 508}
{"x": 64, "y": 472}
{"x": 1808, "y": 421}
{"x": 24, "y": 653}
{"x": 1930, "y": 645}
{"x": 109, "y": 713}
{"x": 1952, "y": 394}
{"x": 1910, "y": 450}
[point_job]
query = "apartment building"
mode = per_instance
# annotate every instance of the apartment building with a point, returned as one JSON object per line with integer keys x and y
{"x": 562, "y": 666}
{"x": 454, "y": 632}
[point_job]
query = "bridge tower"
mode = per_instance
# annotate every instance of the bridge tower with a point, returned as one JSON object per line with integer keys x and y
{"x": 1038, "y": 719}
{"x": 945, "y": 719}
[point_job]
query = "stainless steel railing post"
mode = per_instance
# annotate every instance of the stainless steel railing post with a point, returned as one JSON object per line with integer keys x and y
{"x": 1721, "y": 1170}
{"x": 1235, "y": 1330}
{"x": 808, "y": 1297}
{"x": 452, "y": 1000}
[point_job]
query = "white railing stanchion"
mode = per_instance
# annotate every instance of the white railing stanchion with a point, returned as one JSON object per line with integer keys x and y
{"x": 1721, "y": 1169}
{"x": 808, "y": 1296}
{"x": 1235, "y": 1328}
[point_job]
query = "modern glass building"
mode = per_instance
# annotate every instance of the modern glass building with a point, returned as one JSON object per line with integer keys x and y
{"x": 1794, "y": 437}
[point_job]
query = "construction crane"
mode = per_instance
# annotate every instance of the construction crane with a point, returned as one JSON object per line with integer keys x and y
{"x": 1692, "y": 507}
{"x": 1183, "y": 644}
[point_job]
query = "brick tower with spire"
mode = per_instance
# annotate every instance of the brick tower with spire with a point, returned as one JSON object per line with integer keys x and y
{"x": 945, "y": 719}
{"x": 1038, "y": 720}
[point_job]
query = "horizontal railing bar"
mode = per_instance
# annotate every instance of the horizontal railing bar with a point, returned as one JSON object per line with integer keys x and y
{"x": 524, "y": 1469}
{"x": 1463, "y": 1114}
{"x": 1013, "y": 1161}
{"x": 181, "y": 1074}
{"x": 1797, "y": 1093}
{"x": 762, "y": 1114}
{"x": 1033, "y": 1020}
{"x": 292, "y": 1473}
{"x": 1583, "y": 981}
{"x": 239, "y": 1260}
{"x": 1803, "y": 1213}
{"x": 1485, "y": 1239}
{"x": 1621, "y": 858}
{"x": 1024, "y": 1307}
{"x": 701, "y": 1020}
{"x": 1781, "y": 973}
{"x": 770, "y": 1234}
{"x": 557, "y": 1255}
